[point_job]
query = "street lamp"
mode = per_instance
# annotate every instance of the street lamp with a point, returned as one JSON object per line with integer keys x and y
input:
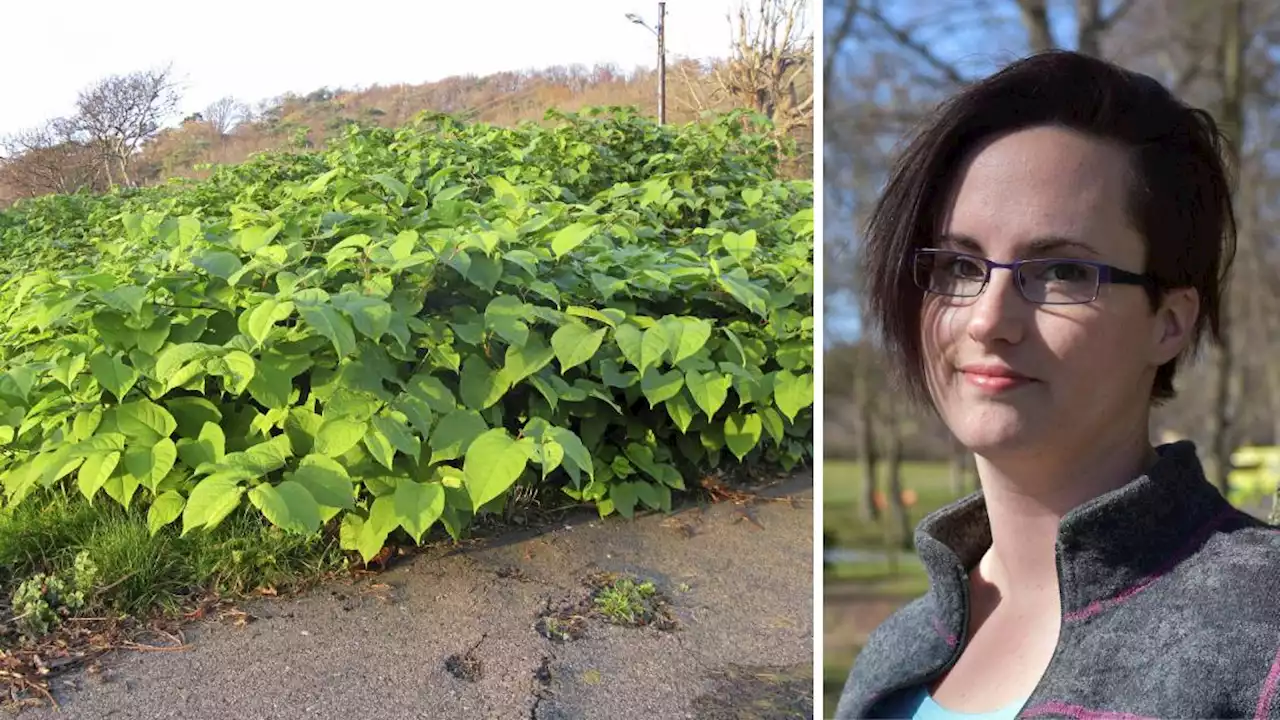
{"x": 661, "y": 32}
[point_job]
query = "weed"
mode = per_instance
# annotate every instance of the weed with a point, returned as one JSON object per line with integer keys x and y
{"x": 565, "y": 627}
{"x": 622, "y": 600}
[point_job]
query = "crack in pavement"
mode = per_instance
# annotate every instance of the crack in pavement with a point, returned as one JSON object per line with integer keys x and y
{"x": 542, "y": 683}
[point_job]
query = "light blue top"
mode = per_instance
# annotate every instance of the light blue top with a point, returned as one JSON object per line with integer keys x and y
{"x": 917, "y": 704}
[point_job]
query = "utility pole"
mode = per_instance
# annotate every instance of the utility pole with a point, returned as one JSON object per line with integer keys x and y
{"x": 661, "y": 32}
{"x": 662, "y": 62}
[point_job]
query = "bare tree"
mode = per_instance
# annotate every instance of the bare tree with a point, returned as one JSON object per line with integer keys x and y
{"x": 225, "y": 114}
{"x": 120, "y": 112}
{"x": 770, "y": 61}
{"x": 47, "y": 159}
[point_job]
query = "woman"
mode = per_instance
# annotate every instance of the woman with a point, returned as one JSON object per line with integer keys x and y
{"x": 1046, "y": 251}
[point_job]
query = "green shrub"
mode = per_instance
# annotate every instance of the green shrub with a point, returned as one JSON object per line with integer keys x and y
{"x": 392, "y": 332}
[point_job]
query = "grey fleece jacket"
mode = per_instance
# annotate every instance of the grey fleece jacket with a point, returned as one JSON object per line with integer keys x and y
{"x": 1170, "y": 606}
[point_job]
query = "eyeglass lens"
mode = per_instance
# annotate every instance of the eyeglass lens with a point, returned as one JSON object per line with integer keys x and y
{"x": 1050, "y": 281}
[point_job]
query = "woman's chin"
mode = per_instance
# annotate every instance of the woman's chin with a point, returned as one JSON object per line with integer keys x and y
{"x": 993, "y": 430}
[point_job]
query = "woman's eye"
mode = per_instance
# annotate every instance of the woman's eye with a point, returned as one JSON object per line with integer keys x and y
{"x": 964, "y": 269}
{"x": 1066, "y": 272}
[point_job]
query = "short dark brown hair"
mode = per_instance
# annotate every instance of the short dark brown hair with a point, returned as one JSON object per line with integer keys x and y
{"x": 1180, "y": 199}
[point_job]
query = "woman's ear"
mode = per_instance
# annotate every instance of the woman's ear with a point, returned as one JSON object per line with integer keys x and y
{"x": 1175, "y": 321}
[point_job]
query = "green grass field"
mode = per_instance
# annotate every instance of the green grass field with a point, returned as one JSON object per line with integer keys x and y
{"x": 840, "y": 486}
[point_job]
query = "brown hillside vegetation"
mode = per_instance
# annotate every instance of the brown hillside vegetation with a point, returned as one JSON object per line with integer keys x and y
{"x": 306, "y": 121}
{"x": 504, "y": 99}
{"x": 123, "y": 133}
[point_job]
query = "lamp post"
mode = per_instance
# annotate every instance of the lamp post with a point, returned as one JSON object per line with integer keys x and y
{"x": 661, "y": 32}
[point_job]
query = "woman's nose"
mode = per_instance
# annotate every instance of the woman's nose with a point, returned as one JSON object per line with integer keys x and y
{"x": 999, "y": 314}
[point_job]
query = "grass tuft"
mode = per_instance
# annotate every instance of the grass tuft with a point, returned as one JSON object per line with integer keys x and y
{"x": 139, "y": 573}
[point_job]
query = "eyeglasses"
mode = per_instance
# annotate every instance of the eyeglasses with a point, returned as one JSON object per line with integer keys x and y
{"x": 1044, "y": 281}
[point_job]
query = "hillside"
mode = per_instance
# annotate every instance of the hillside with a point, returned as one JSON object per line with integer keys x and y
{"x": 309, "y": 120}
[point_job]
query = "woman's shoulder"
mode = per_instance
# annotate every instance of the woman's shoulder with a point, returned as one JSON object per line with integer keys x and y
{"x": 1242, "y": 541}
{"x": 1237, "y": 566}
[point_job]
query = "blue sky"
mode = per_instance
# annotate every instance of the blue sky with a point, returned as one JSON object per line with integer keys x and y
{"x": 258, "y": 49}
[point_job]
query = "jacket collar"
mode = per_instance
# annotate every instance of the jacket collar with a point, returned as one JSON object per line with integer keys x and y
{"x": 1107, "y": 549}
{"x": 1106, "y": 546}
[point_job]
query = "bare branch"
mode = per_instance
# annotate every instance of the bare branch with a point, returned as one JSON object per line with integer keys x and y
{"x": 905, "y": 39}
{"x": 833, "y": 44}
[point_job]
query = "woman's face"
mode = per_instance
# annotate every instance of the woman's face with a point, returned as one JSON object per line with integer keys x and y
{"x": 1083, "y": 371}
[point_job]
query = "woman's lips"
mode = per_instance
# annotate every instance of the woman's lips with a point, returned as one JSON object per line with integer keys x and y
{"x": 994, "y": 378}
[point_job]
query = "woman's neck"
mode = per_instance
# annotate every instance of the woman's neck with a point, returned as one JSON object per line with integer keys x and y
{"x": 1026, "y": 499}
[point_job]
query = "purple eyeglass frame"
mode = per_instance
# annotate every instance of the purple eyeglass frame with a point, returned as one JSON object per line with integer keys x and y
{"x": 1108, "y": 274}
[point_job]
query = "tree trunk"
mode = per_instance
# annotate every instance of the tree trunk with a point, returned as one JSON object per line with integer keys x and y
{"x": 898, "y": 528}
{"x": 867, "y": 509}
{"x": 1088, "y": 27}
{"x": 866, "y": 441}
{"x": 1035, "y": 16}
{"x": 1272, "y": 362}
{"x": 1232, "y": 119}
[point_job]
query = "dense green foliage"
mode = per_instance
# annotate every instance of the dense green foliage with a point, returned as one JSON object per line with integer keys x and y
{"x": 393, "y": 332}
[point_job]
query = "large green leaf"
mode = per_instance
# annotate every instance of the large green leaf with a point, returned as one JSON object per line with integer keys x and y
{"x": 569, "y": 238}
{"x": 481, "y": 386}
{"x": 659, "y": 387}
{"x": 521, "y": 362}
{"x": 397, "y": 434}
{"x": 418, "y": 506}
{"x": 375, "y": 529}
{"x": 685, "y": 336}
{"x": 143, "y": 421}
{"x": 575, "y": 343}
{"x": 264, "y": 316}
{"x": 330, "y": 324}
{"x": 113, "y": 374}
{"x": 94, "y": 472}
{"x": 577, "y": 458}
{"x": 371, "y": 315}
{"x": 654, "y": 346}
{"x": 506, "y": 315}
{"x": 455, "y": 434}
{"x": 493, "y": 463}
{"x": 165, "y": 509}
{"x": 209, "y": 447}
{"x": 709, "y": 390}
{"x": 150, "y": 464}
{"x": 630, "y": 341}
{"x": 336, "y": 436}
{"x": 740, "y": 246}
{"x": 742, "y": 433}
{"x": 288, "y": 506}
{"x": 326, "y": 479}
{"x": 792, "y": 393}
{"x": 211, "y": 501}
